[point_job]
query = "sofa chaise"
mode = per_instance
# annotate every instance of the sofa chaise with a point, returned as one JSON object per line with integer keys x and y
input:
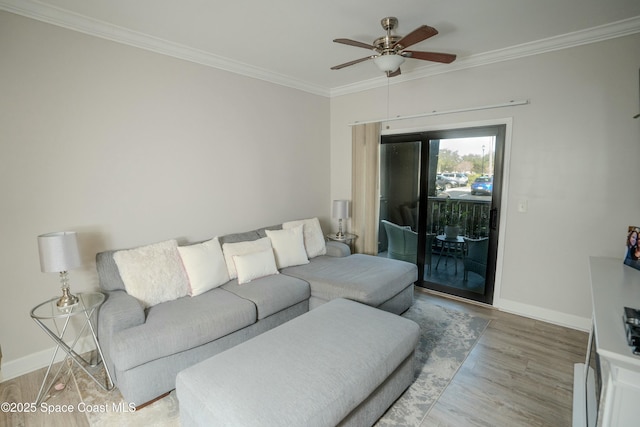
{"x": 147, "y": 341}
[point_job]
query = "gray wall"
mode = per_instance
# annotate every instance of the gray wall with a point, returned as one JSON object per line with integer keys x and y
{"x": 573, "y": 156}
{"x": 128, "y": 147}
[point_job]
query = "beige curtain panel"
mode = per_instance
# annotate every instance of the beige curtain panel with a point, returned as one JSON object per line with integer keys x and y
{"x": 365, "y": 197}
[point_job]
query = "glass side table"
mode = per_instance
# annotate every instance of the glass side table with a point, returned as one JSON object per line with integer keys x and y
{"x": 348, "y": 239}
{"x": 49, "y": 312}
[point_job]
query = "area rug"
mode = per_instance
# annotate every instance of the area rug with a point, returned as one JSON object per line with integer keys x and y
{"x": 447, "y": 337}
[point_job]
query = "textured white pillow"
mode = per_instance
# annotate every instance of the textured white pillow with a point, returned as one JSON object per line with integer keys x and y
{"x": 314, "y": 241}
{"x": 205, "y": 265}
{"x": 242, "y": 248}
{"x": 254, "y": 265}
{"x": 288, "y": 246}
{"x": 153, "y": 273}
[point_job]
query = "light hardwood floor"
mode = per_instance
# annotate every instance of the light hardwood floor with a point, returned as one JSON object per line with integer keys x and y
{"x": 520, "y": 373}
{"x": 24, "y": 390}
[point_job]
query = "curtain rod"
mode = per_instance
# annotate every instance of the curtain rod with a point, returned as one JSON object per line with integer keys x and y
{"x": 437, "y": 113}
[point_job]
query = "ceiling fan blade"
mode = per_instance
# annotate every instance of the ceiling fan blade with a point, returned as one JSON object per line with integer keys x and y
{"x": 417, "y": 35}
{"x": 354, "y": 43}
{"x": 346, "y": 64}
{"x": 393, "y": 73}
{"x": 445, "y": 58}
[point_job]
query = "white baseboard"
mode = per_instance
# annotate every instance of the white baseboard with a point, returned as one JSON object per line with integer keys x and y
{"x": 546, "y": 315}
{"x": 32, "y": 362}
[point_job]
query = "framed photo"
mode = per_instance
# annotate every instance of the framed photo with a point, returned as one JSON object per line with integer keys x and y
{"x": 632, "y": 256}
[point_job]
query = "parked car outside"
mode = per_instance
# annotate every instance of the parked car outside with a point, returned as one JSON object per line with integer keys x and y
{"x": 460, "y": 178}
{"x": 446, "y": 182}
{"x": 482, "y": 185}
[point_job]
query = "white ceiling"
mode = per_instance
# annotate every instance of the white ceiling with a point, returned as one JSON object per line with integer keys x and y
{"x": 290, "y": 41}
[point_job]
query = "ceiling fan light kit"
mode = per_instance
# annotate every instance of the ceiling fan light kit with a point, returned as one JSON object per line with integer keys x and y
{"x": 388, "y": 63}
{"x": 391, "y": 51}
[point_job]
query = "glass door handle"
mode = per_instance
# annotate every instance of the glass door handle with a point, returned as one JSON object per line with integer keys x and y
{"x": 493, "y": 218}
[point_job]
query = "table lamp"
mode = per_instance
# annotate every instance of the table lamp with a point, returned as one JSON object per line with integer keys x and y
{"x": 59, "y": 253}
{"x": 340, "y": 211}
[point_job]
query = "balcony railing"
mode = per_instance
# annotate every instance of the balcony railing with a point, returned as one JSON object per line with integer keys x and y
{"x": 473, "y": 216}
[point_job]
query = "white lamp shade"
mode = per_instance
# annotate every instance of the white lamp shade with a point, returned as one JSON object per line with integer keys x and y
{"x": 388, "y": 63}
{"x": 58, "y": 251}
{"x": 340, "y": 209}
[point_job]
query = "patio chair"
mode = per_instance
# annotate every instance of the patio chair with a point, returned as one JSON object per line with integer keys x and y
{"x": 475, "y": 257}
{"x": 403, "y": 244}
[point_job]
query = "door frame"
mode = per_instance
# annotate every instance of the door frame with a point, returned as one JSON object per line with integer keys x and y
{"x": 504, "y": 199}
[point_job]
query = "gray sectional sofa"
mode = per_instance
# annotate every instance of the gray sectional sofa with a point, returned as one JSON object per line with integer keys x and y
{"x": 145, "y": 347}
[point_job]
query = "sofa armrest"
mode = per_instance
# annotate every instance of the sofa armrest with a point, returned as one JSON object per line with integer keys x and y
{"x": 337, "y": 249}
{"x": 119, "y": 311}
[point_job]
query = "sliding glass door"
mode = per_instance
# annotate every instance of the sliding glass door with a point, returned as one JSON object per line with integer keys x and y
{"x": 439, "y": 196}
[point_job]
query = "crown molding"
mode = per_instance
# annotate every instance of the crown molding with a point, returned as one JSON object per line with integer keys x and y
{"x": 76, "y": 22}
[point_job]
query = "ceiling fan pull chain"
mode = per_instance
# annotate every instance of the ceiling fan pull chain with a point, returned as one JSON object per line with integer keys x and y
{"x": 388, "y": 79}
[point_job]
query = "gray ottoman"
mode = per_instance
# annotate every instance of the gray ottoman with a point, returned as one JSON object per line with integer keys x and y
{"x": 343, "y": 363}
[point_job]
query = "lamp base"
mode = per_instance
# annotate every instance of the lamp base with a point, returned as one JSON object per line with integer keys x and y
{"x": 67, "y": 299}
{"x": 340, "y": 233}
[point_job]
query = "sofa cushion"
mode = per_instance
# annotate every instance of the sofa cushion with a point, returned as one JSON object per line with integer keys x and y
{"x": 271, "y": 294}
{"x": 179, "y": 325}
{"x": 153, "y": 273}
{"x": 108, "y": 275}
{"x": 314, "y": 241}
{"x": 365, "y": 278}
{"x": 247, "y": 236}
{"x": 288, "y": 246}
{"x": 337, "y": 249}
{"x": 242, "y": 248}
{"x": 205, "y": 266}
{"x": 255, "y": 265}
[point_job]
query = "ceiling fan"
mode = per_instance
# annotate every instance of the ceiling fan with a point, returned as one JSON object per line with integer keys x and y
{"x": 391, "y": 49}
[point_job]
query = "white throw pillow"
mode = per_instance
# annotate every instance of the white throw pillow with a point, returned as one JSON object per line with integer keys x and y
{"x": 205, "y": 266}
{"x": 314, "y": 241}
{"x": 242, "y": 248}
{"x": 153, "y": 273}
{"x": 254, "y": 265}
{"x": 288, "y": 246}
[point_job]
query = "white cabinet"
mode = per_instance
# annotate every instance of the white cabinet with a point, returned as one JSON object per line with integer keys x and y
{"x": 613, "y": 287}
